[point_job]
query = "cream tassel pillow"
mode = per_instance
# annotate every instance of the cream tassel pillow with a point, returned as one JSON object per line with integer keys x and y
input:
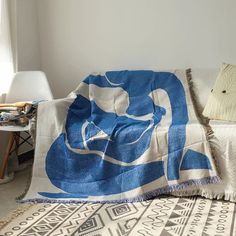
{"x": 221, "y": 104}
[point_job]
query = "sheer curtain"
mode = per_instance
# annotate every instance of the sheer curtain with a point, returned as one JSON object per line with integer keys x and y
{"x": 6, "y": 59}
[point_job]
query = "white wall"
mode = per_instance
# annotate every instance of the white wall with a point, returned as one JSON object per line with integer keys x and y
{"x": 28, "y": 45}
{"x": 78, "y": 37}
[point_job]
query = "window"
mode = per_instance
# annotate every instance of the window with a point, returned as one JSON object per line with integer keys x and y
{"x": 6, "y": 62}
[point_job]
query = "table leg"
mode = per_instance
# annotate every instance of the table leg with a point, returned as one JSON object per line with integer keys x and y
{"x": 6, "y": 155}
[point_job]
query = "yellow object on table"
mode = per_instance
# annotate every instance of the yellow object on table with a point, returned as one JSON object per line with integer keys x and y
{"x": 16, "y": 104}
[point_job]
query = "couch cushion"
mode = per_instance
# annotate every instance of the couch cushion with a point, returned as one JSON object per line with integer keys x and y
{"x": 203, "y": 80}
{"x": 221, "y": 104}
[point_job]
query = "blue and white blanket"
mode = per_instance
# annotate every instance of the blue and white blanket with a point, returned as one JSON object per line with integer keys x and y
{"x": 122, "y": 136}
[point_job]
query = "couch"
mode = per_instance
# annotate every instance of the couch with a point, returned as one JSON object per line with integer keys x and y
{"x": 165, "y": 215}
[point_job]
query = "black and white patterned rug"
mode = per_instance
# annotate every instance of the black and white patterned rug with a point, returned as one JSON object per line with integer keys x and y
{"x": 163, "y": 216}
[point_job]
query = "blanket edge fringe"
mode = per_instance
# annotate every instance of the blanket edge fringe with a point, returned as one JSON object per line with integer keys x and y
{"x": 146, "y": 196}
{"x": 211, "y": 138}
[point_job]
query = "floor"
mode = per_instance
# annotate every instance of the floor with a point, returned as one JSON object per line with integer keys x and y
{"x": 11, "y": 190}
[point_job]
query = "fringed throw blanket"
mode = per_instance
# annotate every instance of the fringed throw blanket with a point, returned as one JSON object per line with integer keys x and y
{"x": 122, "y": 136}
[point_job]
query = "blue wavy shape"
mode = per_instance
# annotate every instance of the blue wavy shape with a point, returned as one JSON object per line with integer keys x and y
{"x": 195, "y": 160}
{"x": 81, "y": 175}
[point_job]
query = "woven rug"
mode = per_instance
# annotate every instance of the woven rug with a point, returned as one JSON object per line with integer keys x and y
{"x": 162, "y": 216}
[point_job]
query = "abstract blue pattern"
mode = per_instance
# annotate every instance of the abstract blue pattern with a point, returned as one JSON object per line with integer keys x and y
{"x": 79, "y": 164}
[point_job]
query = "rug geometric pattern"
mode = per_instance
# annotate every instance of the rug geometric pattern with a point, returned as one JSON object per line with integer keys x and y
{"x": 164, "y": 216}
